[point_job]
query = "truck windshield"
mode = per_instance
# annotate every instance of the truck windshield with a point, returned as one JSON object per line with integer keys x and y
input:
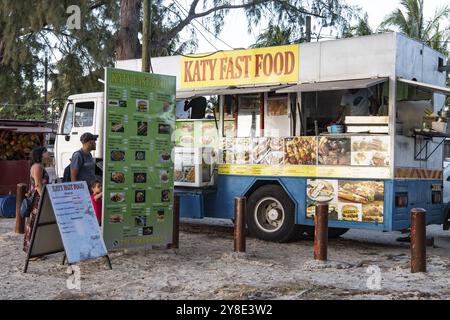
{"x": 68, "y": 119}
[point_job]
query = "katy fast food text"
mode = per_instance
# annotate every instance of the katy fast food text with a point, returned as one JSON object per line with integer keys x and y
{"x": 241, "y": 67}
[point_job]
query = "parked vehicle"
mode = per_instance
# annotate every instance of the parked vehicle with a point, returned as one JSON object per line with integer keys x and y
{"x": 272, "y": 138}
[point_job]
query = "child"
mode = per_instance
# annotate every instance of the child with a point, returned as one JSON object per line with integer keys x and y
{"x": 96, "y": 197}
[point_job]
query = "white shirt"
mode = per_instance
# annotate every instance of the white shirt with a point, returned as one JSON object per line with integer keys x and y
{"x": 358, "y": 103}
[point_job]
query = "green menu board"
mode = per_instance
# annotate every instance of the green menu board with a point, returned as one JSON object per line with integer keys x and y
{"x": 138, "y": 169}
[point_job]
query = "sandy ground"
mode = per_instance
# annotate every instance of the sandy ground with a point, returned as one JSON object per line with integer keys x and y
{"x": 204, "y": 267}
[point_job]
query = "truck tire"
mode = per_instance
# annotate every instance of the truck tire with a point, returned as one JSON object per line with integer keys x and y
{"x": 307, "y": 232}
{"x": 270, "y": 214}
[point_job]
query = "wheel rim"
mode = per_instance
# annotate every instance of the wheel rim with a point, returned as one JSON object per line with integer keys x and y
{"x": 269, "y": 214}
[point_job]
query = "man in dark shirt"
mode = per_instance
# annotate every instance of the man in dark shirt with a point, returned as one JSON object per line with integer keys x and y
{"x": 197, "y": 106}
{"x": 82, "y": 167}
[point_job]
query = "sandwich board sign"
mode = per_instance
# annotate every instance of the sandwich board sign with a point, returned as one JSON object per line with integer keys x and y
{"x": 66, "y": 222}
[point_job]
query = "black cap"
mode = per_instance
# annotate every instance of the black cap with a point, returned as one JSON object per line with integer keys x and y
{"x": 87, "y": 136}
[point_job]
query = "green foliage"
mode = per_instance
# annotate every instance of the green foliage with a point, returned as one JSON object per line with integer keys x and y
{"x": 410, "y": 20}
{"x": 274, "y": 35}
{"x": 362, "y": 28}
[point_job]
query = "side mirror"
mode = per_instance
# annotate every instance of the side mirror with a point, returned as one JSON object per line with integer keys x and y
{"x": 67, "y": 137}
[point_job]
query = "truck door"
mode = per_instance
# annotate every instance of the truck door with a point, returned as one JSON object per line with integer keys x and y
{"x": 77, "y": 119}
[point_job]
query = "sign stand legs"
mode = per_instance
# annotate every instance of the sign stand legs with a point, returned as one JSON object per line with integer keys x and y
{"x": 109, "y": 262}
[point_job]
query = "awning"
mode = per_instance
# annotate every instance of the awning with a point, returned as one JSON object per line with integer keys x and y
{"x": 333, "y": 85}
{"x": 225, "y": 91}
{"x": 428, "y": 87}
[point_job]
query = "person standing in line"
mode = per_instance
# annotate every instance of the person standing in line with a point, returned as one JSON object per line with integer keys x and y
{"x": 82, "y": 165}
{"x": 96, "y": 197}
{"x": 38, "y": 179}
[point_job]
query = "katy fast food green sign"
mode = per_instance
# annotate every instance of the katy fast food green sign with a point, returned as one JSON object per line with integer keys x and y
{"x": 138, "y": 171}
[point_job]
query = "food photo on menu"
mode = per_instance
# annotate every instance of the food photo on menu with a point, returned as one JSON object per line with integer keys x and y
{"x": 117, "y": 155}
{"x": 301, "y": 150}
{"x": 117, "y": 197}
{"x": 142, "y": 128}
{"x": 115, "y": 218}
{"x": 141, "y": 105}
{"x": 117, "y": 127}
{"x": 147, "y": 231}
{"x": 140, "y": 177}
{"x": 334, "y": 151}
{"x": 118, "y": 177}
{"x": 139, "y": 155}
{"x": 139, "y": 196}
{"x": 319, "y": 190}
{"x": 160, "y": 215}
{"x": 370, "y": 151}
{"x": 140, "y": 221}
{"x": 165, "y": 196}
{"x": 163, "y": 128}
{"x": 365, "y": 200}
{"x": 164, "y": 157}
{"x": 164, "y": 176}
{"x": 117, "y": 103}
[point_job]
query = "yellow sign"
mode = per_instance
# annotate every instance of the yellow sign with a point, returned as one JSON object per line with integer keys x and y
{"x": 306, "y": 171}
{"x": 273, "y": 65}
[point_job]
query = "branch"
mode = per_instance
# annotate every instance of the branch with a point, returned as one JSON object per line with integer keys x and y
{"x": 98, "y": 5}
{"x": 192, "y": 15}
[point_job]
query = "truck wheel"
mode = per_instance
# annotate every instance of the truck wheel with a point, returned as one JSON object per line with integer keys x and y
{"x": 270, "y": 214}
{"x": 307, "y": 232}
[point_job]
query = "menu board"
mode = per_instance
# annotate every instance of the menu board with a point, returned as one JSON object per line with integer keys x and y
{"x": 76, "y": 220}
{"x": 138, "y": 171}
{"x": 348, "y": 200}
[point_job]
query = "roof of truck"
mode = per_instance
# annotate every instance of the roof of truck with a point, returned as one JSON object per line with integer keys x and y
{"x": 89, "y": 95}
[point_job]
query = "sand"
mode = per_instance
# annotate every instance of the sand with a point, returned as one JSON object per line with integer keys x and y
{"x": 205, "y": 267}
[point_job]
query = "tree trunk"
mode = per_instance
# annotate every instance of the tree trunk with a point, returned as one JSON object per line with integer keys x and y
{"x": 128, "y": 46}
{"x": 146, "y": 36}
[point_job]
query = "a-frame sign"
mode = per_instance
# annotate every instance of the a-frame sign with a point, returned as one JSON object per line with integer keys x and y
{"x": 66, "y": 222}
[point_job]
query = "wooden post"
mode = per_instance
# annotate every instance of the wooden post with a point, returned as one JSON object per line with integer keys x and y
{"x": 239, "y": 224}
{"x": 321, "y": 232}
{"x": 418, "y": 240}
{"x": 20, "y": 195}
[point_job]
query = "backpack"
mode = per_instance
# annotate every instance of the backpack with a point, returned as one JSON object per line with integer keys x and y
{"x": 66, "y": 174}
{"x": 25, "y": 207}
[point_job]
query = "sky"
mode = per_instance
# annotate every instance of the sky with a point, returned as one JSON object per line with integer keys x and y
{"x": 235, "y": 32}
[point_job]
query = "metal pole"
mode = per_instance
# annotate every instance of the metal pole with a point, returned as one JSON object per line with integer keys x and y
{"x": 418, "y": 240}
{"x": 176, "y": 222}
{"x": 321, "y": 232}
{"x": 239, "y": 224}
{"x": 45, "y": 86}
{"x": 20, "y": 195}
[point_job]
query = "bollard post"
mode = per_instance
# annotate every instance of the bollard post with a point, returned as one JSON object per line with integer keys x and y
{"x": 176, "y": 222}
{"x": 20, "y": 195}
{"x": 418, "y": 240}
{"x": 321, "y": 232}
{"x": 239, "y": 224}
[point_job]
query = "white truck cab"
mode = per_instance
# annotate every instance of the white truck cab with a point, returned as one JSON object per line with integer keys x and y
{"x": 82, "y": 113}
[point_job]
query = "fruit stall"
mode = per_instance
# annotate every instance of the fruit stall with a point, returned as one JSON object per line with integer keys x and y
{"x": 17, "y": 139}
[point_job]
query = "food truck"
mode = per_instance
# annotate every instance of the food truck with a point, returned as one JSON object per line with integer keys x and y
{"x": 280, "y": 137}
